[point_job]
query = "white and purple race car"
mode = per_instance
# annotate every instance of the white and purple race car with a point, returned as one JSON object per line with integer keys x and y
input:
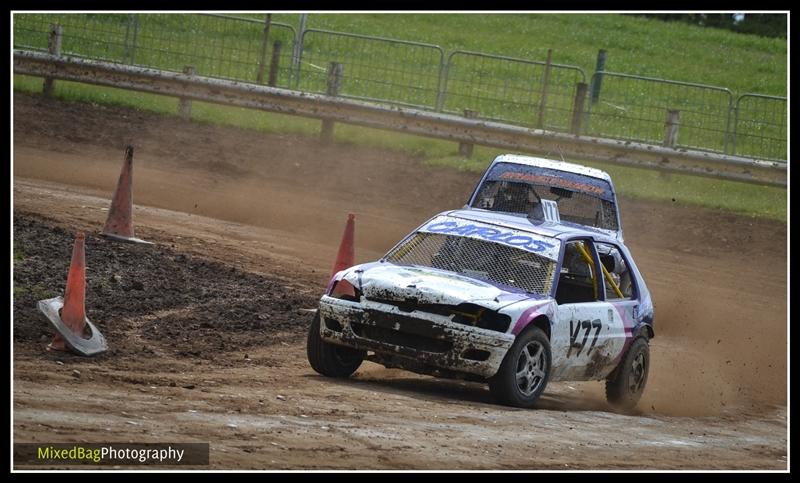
{"x": 514, "y": 297}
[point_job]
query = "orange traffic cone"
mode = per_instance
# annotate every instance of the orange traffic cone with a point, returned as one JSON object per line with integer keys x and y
{"x": 74, "y": 312}
{"x": 346, "y": 256}
{"x": 119, "y": 225}
{"x": 68, "y": 315}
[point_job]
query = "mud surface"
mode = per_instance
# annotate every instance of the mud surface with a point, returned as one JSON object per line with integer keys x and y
{"x": 206, "y": 328}
{"x": 153, "y": 299}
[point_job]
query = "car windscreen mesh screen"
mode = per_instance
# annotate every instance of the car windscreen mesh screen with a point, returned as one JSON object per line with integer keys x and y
{"x": 483, "y": 260}
{"x": 524, "y": 198}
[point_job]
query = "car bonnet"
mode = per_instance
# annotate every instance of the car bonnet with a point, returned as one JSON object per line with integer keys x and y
{"x": 384, "y": 281}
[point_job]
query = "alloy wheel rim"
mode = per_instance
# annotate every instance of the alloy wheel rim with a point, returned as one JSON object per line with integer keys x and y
{"x": 530, "y": 371}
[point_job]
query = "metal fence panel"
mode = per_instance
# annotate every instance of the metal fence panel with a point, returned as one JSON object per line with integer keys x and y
{"x": 635, "y": 108}
{"x": 759, "y": 127}
{"x": 413, "y": 74}
{"x": 512, "y": 90}
{"x": 374, "y": 68}
{"x": 409, "y": 121}
{"x": 86, "y": 35}
{"x": 216, "y": 45}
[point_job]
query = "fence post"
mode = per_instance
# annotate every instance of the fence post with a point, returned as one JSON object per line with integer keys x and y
{"x": 135, "y": 35}
{"x": 735, "y": 125}
{"x": 597, "y": 79}
{"x": 671, "y": 128}
{"x": 465, "y": 149}
{"x": 127, "y": 49}
{"x": 730, "y": 137}
{"x": 185, "y": 105}
{"x": 264, "y": 43}
{"x": 54, "y": 47}
{"x": 297, "y": 52}
{"x": 334, "y": 84}
{"x": 545, "y": 82}
{"x": 444, "y": 69}
{"x": 577, "y": 108}
{"x": 273, "y": 64}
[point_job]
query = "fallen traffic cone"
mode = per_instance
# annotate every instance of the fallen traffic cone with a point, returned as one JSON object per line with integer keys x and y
{"x": 346, "y": 256}
{"x": 68, "y": 315}
{"x": 119, "y": 225}
{"x": 74, "y": 311}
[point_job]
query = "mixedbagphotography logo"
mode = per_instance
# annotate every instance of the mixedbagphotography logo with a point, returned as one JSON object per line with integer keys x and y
{"x": 117, "y": 454}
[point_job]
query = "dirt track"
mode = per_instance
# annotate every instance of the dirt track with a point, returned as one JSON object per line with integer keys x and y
{"x": 273, "y": 207}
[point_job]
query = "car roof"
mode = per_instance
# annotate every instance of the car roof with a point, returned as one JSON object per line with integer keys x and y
{"x": 551, "y": 164}
{"x": 562, "y": 231}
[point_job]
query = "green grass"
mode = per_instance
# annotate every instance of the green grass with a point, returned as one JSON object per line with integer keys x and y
{"x": 497, "y": 89}
{"x": 747, "y": 199}
{"x": 628, "y": 109}
{"x": 635, "y": 45}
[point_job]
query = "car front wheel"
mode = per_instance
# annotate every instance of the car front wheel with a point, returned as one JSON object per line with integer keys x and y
{"x": 330, "y": 359}
{"x": 525, "y": 370}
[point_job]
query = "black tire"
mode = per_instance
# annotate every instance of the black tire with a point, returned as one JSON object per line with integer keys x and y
{"x": 330, "y": 359}
{"x": 523, "y": 390}
{"x": 625, "y": 385}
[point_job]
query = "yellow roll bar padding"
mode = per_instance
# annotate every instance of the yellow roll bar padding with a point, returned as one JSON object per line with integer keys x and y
{"x": 585, "y": 254}
{"x": 551, "y": 268}
{"x": 612, "y": 282}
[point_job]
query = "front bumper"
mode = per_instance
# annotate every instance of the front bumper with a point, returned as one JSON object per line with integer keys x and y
{"x": 419, "y": 338}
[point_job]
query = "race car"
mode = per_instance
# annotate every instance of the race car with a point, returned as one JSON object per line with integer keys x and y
{"x": 515, "y": 301}
{"x": 517, "y": 184}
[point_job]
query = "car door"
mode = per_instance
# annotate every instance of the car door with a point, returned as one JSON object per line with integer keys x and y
{"x": 621, "y": 287}
{"x": 589, "y": 333}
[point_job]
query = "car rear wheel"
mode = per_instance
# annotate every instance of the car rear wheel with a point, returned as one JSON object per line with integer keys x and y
{"x": 330, "y": 359}
{"x": 625, "y": 386}
{"x": 523, "y": 375}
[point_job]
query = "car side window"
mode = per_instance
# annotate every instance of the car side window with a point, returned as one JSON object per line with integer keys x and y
{"x": 616, "y": 273}
{"x": 578, "y": 281}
